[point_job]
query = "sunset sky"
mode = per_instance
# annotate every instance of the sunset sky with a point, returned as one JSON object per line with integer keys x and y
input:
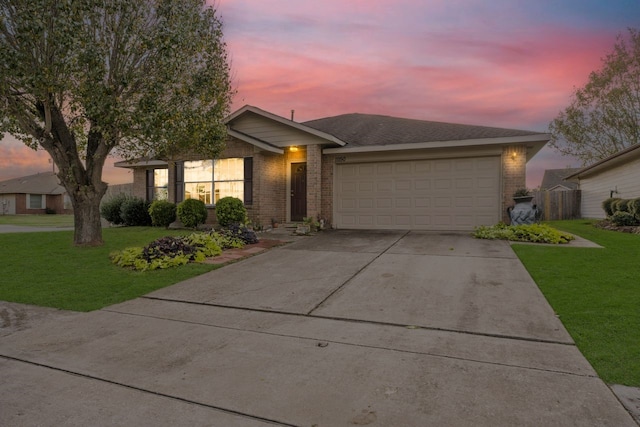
{"x": 504, "y": 63}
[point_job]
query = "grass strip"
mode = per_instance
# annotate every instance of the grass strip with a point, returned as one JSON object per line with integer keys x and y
{"x": 45, "y": 269}
{"x": 596, "y": 293}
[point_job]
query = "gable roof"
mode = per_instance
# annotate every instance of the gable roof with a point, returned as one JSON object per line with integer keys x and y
{"x": 617, "y": 159}
{"x": 371, "y": 129}
{"x": 557, "y": 177}
{"x": 248, "y": 110}
{"x": 372, "y": 132}
{"x": 41, "y": 183}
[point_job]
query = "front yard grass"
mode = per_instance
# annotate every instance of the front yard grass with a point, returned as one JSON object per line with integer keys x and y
{"x": 44, "y": 268}
{"x": 596, "y": 293}
{"x": 38, "y": 220}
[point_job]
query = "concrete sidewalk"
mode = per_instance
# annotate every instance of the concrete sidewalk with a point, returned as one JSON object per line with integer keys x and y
{"x": 343, "y": 328}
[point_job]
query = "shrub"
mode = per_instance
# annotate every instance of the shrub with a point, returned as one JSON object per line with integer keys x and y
{"x": 134, "y": 211}
{"x": 522, "y": 192}
{"x": 162, "y": 213}
{"x": 622, "y": 219}
{"x": 110, "y": 209}
{"x": 608, "y": 205}
{"x": 230, "y": 210}
{"x": 241, "y": 232}
{"x": 634, "y": 207}
{"x": 168, "y": 252}
{"x": 192, "y": 212}
{"x": 620, "y": 205}
{"x": 538, "y": 233}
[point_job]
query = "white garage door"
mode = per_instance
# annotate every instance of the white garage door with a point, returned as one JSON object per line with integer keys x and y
{"x": 437, "y": 194}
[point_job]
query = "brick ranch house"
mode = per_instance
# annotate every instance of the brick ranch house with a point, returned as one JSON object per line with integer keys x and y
{"x": 354, "y": 171}
{"x": 34, "y": 194}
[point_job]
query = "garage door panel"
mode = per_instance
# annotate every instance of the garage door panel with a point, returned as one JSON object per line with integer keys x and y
{"x": 463, "y": 202}
{"x": 442, "y": 184}
{"x": 384, "y": 203}
{"x": 487, "y": 183}
{"x": 422, "y": 184}
{"x": 455, "y": 194}
{"x": 422, "y": 202}
{"x": 464, "y": 183}
{"x": 402, "y": 185}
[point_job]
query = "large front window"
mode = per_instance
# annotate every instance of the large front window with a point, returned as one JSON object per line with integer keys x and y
{"x": 228, "y": 178}
{"x": 211, "y": 180}
{"x": 198, "y": 180}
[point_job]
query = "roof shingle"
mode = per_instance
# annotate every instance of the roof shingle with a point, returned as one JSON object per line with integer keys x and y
{"x": 371, "y": 129}
{"x": 41, "y": 183}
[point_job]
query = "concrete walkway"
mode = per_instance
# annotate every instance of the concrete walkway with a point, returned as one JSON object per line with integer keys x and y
{"x": 340, "y": 329}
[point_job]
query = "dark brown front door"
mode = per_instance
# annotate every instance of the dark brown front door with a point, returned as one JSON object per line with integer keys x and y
{"x": 298, "y": 191}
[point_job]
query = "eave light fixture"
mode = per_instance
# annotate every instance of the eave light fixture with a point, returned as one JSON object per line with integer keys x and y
{"x": 293, "y": 149}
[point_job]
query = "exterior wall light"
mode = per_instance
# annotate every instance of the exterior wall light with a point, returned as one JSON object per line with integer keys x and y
{"x": 514, "y": 155}
{"x": 293, "y": 149}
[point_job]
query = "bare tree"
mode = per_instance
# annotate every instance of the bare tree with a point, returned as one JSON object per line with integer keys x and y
{"x": 604, "y": 115}
{"x": 85, "y": 78}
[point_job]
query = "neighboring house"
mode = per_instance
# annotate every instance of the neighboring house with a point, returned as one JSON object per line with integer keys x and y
{"x": 554, "y": 180}
{"x": 354, "y": 171}
{"x": 616, "y": 176}
{"x": 34, "y": 194}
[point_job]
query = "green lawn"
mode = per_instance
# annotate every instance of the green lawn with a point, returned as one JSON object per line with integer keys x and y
{"x": 38, "y": 220}
{"x": 596, "y": 293}
{"x": 44, "y": 268}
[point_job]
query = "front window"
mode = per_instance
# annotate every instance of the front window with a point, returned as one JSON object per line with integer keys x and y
{"x": 211, "y": 180}
{"x": 198, "y": 180}
{"x": 160, "y": 184}
{"x": 36, "y": 201}
{"x": 228, "y": 178}
{"x": 157, "y": 184}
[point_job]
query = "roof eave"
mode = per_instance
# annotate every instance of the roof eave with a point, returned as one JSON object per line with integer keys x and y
{"x": 537, "y": 141}
{"x": 132, "y": 164}
{"x": 254, "y": 141}
{"x": 611, "y": 161}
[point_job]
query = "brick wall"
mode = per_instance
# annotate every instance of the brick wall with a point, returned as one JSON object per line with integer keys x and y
{"x": 314, "y": 181}
{"x": 326, "y": 211}
{"x": 140, "y": 183}
{"x": 269, "y": 188}
{"x": 514, "y": 161}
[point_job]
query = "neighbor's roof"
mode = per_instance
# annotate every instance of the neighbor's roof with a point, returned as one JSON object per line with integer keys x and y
{"x": 41, "y": 183}
{"x": 555, "y": 177}
{"x": 371, "y": 129}
{"x": 617, "y": 159}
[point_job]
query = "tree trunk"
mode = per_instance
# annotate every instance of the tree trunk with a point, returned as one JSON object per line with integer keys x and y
{"x": 86, "y": 215}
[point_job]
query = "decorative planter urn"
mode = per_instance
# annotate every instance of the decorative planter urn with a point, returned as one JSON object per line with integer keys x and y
{"x": 523, "y": 212}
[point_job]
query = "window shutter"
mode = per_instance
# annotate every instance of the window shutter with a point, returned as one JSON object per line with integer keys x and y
{"x": 179, "y": 182}
{"x": 150, "y": 185}
{"x": 248, "y": 180}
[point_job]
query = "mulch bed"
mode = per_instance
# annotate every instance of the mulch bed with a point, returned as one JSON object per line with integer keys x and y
{"x": 231, "y": 255}
{"x": 608, "y": 225}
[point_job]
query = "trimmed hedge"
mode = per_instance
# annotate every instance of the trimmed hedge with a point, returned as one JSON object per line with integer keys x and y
{"x": 134, "y": 211}
{"x": 162, "y": 213}
{"x": 230, "y": 210}
{"x": 192, "y": 212}
{"x": 622, "y": 212}
{"x": 110, "y": 209}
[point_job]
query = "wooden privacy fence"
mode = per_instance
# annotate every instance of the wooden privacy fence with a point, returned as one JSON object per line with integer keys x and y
{"x": 556, "y": 205}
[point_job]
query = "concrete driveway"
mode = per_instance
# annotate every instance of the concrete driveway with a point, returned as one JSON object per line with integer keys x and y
{"x": 340, "y": 329}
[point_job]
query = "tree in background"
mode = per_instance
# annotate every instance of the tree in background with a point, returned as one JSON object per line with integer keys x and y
{"x": 85, "y": 78}
{"x": 604, "y": 115}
